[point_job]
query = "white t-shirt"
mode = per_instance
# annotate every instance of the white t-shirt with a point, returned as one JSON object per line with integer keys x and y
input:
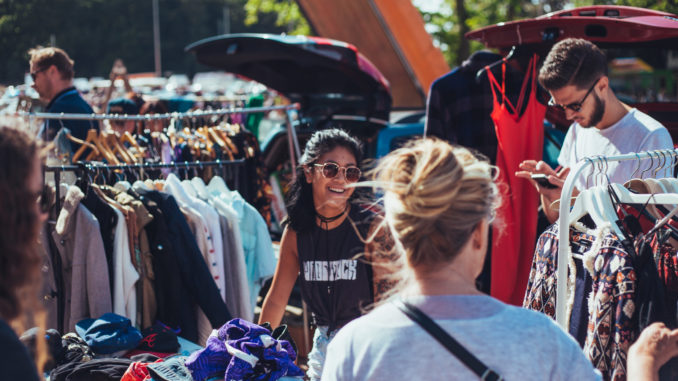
{"x": 518, "y": 344}
{"x": 635, "y": 132}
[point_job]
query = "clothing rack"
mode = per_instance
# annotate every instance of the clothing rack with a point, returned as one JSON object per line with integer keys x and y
{"x": 292, "y": 140}
{"x": 564, "y": 208}
{"x": 89, "y": 167}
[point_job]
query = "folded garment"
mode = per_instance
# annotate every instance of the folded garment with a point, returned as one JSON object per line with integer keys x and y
{"x": 159, "y": 338}
{"x": 109, "y": 333}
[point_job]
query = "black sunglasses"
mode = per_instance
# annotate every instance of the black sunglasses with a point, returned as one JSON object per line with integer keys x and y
{"x": 35, "y": 73}
{"x": 331, "y": 170}
{"x": 573, "y": 106}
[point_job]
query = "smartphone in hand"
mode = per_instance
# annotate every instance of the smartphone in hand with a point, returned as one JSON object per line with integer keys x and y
{"x": 543, "y": 181}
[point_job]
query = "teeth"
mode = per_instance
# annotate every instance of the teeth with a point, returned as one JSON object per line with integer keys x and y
{"x": 337, "y": 190}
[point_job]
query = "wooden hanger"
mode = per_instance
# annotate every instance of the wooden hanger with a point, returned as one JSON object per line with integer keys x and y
{"x": 101, "y": 151}
{"x": 128, "y": 138}
{"x": 120, "y": 149}
{"x": 108, "y": 153}
{"x": 224, "y": 135}
{"x": 224, "y": 141}
{"x": 83, "y": 147}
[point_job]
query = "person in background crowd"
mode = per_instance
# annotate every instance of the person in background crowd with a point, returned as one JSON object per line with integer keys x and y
{"x": 117, "y": 71}
{"x": 575, "y": 74}
{"x": 154, "y": 107}
{"x": 22, "y": 211}
{"x": 323, "y": 241}
{"x": 123, "y": 106}
{"x": 52, "y": 73}
{"x": 439, "y": 202}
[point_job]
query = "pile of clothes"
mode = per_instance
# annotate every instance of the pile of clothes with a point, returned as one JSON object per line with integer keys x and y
{"x": 109, "y": 348}
{"x": 241, "y": 350}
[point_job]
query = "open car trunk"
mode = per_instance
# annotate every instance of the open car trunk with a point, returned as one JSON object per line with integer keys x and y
{"x": 334, "y": 84}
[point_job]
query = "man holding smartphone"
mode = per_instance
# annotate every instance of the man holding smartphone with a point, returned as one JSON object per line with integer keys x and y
{"x": 575, "y": 74}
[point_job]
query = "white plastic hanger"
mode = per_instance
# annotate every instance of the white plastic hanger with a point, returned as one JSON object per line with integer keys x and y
{"x": 141, "y": 185}
{"x": 189, "y": 188}
{"x": 218, "y": 184}
{"x": 626, "y": 197}
{"x": 201, "y": 188}
{"x": 661, "y": 187}
{"x": 597, "y": 204}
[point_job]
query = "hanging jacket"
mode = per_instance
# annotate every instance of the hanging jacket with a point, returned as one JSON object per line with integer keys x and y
{"x": 87, "y": 291}
{"x": 196, "y": 280}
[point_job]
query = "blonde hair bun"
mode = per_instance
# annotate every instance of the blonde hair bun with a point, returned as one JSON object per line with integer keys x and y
{"x": 435, "y": 195}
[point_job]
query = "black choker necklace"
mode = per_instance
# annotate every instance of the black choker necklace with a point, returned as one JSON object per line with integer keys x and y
{"x": 327, "y": 220}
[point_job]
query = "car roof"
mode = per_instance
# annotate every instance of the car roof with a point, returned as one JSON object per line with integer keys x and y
{"x": 602, "y": 24}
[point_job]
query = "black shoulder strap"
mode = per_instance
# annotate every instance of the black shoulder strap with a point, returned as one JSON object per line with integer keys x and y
{"x": 452, "y": 345}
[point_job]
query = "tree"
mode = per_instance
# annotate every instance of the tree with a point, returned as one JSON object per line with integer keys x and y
{"x": 288, "y": 15}
{"x": 96, "y": 32}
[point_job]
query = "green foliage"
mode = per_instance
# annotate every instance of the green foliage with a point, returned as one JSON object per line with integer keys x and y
{"x": 96, "y": 32}
{"x": 670, "y": 6}
{"x": 445, "y": 26}
{"x": 287, "y": 14}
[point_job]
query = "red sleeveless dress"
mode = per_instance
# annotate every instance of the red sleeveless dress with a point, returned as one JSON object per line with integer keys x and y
{"x": 520, "y": 137}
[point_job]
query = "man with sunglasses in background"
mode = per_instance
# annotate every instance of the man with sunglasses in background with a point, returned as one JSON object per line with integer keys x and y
{"x": 52, "y": 73}
{"x": 575, "y": 74}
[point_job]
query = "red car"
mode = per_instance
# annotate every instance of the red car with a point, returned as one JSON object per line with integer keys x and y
{"x": 641, "y": 45}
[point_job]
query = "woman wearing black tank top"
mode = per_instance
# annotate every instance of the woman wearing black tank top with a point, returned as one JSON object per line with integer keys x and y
{"x": 324, "y": 242}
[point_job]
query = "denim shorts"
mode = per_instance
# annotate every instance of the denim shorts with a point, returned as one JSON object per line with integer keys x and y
{"x": 316, "y": 358}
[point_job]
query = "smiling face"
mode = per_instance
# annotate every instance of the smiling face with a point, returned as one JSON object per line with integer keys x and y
{"x": 330, "y": 195}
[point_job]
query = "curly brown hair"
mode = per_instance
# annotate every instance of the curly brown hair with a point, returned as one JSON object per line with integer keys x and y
{"x": 19, "y": 222}
{"x": 19, "y": 228}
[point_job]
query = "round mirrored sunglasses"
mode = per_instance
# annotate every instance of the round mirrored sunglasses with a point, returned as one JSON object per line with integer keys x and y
{"x": 331, "y": 170}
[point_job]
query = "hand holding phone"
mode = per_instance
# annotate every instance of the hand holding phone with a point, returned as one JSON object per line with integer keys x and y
{"x": 543, "y": 181}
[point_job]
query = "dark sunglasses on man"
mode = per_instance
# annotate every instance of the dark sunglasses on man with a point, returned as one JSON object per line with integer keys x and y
{"x": 331, "y": 170}
{"x": 576, "y": 106}
{"x": 35, "y": 73}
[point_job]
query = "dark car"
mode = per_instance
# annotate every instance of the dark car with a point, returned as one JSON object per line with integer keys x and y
{"x": 333, "y": 83}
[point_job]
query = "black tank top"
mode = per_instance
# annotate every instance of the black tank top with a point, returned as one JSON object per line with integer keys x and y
{"x": 335, "y": 279}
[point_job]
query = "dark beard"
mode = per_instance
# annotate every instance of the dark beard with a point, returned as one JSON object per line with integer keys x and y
{"x": 598, "y": 111}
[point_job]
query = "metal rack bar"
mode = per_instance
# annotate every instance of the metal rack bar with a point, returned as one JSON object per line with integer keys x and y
{"x": 178, "y": 115}
{"x": 57, "y": 169}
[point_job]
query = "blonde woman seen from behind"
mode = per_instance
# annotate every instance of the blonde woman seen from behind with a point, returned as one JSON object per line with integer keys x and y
{"x": 439, "y": 202}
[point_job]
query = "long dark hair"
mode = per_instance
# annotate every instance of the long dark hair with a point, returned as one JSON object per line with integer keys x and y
{"x": 19, "y": 223}
{"x": 300, "y": 206}
{"x": 20, "y": 259}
